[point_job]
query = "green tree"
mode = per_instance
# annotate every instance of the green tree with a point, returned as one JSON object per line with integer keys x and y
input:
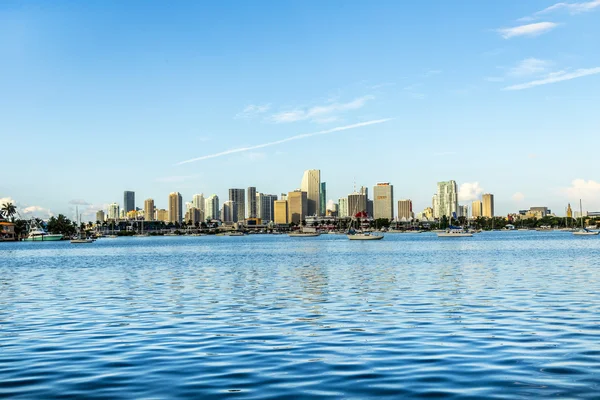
{"x": 8, "y": 210}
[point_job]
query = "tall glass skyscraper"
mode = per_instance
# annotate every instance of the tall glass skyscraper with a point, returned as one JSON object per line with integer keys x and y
{"x": 311, "y": 184}
{"x": 237, "y": 195}
{"x": 323, "y": 199}
{"x": 128, "y": 201}
{"x": 446, "y": 202}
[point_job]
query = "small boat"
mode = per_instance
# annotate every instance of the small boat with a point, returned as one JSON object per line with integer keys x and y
{"x": 303, "y": 234}
{"x": 584, "y": 231}
{"x": 112, "y": 236}
{"x": 365, "y": 236}
{"x": 38, "y": 234}
{"x": 234, "y": 233}
{"x": 455, "y": 232}
{"x": 79, "y": 239}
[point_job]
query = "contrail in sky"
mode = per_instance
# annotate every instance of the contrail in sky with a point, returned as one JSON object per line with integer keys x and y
{"x": 297, "y": 137}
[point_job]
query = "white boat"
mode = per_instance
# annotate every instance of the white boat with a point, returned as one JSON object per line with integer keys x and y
{"x": 234, "y": 233}
{"x": 365, "y": 236}
{"x": 455, "y": 233}
{"x": 38, "y": 234}
{"x": 584, "y": 231}
{"x": 303, "y": 234}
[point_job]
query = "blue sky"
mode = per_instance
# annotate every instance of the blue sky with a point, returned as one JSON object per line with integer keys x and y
{"x": 99, "y": 97}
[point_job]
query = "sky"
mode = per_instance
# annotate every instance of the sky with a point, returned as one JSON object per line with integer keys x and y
{"x": 98, "y": 97}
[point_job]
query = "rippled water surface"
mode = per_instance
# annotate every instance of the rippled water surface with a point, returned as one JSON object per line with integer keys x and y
{"x": 500, "y": 315}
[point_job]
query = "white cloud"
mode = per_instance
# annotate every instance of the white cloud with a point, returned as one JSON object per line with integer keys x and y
{"x": 529, "y": 66}
{"x": 527, "y": 30}
{"x": 582, "y": 189}
{"x": 36, "y": 211}
{"x": 79, "y": 202}
{"x": 253, "y": 110}
{"x": 289, "y": 139}
{"x": 556, "y": 77}
{"x": 469, "y": 191}
{"x": 320, "y": 114}
{"x": 572, "y": 8}
{"x": 518, "y": 197}
{"x": 330, "y": 204}
{"x": 5, "y": 200}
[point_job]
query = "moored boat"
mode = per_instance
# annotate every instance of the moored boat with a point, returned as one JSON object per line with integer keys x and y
{"x": 455, "y": 232}
{"x": 39, "y": 234}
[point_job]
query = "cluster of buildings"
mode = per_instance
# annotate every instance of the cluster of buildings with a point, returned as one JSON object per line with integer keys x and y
{"x": 251, "y": 207}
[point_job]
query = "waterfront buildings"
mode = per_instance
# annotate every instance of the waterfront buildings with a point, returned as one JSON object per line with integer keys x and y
{"x": 476, "y": 209}
{"x": 162, "y": 215}
{"x": 149, "y": 210}
{"x": 446, "y": 201}
{"x": 230, "y": 212}
{"x": 252, "y": 211}
{"x": 280, "y": 212}
{"x": 383, "y": 201}
{"x": 342, "y": 207}
{"x": 113, "y": 211}
{"x": 311, "y": 185}
{"x": 198, "y": 201}
{"x": 265, "y": 204}
{"x": 128, "y": 201}
{"x": 488, "y": 205}
{"x": 323, "y": 198}
{"x": 405, "y": 209}
{"x": 175, "y": 207}
{"x": 297, "y": 206}
{"x": 357, "y": 203}
{"x": 463, "y": 211}
{"x": 569, "y": 211}
{"x": 211, "y": 207}
{"x": 100, "y": 216}
{"x": 237, "y": 196}
{"x": 193, "y": 216}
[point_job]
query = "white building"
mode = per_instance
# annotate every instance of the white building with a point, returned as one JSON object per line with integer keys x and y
{"x": 211, "y": 207}
{"x": 446, "y": 202}
{"x": 113, "y": 211}
{"x": 311, "y": 184}
{"x": 343, "y": 207}
{"x": 198, "y": 201}
{"x": 230, "y": 212}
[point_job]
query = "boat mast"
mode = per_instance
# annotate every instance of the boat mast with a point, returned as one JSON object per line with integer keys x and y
{"x": 581, "y": 213}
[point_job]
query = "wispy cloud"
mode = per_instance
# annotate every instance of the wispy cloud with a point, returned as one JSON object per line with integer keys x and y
{"x": 320, "y": 114}
{"x": 518, "y": 197}
{"x": 572, "y": 8}
{"x": 413, "y": 92}
{"x": 79, "y": 202}
{"x": 253, "y": 110}
{"x": 527, "y": 30}
{"x": 529, "y": 66}
{"x": 289, "y": 139}
{"x": 555, "y": 77}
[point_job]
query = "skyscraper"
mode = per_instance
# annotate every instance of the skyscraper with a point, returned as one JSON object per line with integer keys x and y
{"x": 211, "y": 207}
{"x": 198, "y": 201}
{"x": 323, "y": 198}
{"x": 100, "y": 216}
{"x": 383, "y": 201}
{"x": 311, "y": 185}
{"x": 343, "y": 207}
{"x": 476, "y": 209}
{"x": 405, "y": 209}
{"x": 357, "y": 203}
{"x": 488, "y": 205}
{"x": 149, "y": 210}
{"x": 237, "y": 195}
{"x": 280, "y": 212}
{"x": 297, "y": 206}
{"x": 447, "y": 199}
{"x": 265, "y": 204}
{"x": 252, "y": 212}
{"x": 128, "y": 201}
{"x": 230, "y": 212}
{"x": 175, "y": 207}
{"x": 113, "y": 211}
{"x": 463, "y": 211}
{"x": 162, "y": 215}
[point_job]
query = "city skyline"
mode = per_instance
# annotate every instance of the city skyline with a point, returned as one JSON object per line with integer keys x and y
{"x": 364, "y": 99}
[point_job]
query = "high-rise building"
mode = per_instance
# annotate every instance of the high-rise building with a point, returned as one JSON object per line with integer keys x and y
{"x": 252, "y": 211}
{"x": 175, "y": 207}
{"x": 122, "y": 214}
{"x": 283, "y": 196}
{"x": 211, "y": 207}
{"x": 323, "y": 198}
{"x": 230, "y": 212}
{"x": 463, "y": 211}
{"x": 149, "y": 210}
{"x": 297, "y": 206}
{"x": 447, "y": 199}
{"x": 311, "y": 185}
{"x": 357, "y": 203}
{"x": 476, "y": 209}
{"x": 237, "y": 195}
{"x": 383, "y": 201}
{"x": 198, "y": 201}
{"x": 343, "y": 207}
{"x": 100, "y": 216}
{"x": 192, "y": 216}
{"x": 280, "y": 212}
{"x": 162, "y": 215}
{"x": 128, "y": 201}
{"x": 265, "y": 204}
{"x": 488, "y": 205}
{"x": 405, "y": 209}
{"x": 569, "y": 211}
{"x": 113, "y": 211}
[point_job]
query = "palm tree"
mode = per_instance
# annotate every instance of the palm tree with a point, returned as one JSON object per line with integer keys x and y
{"x": 8, "y": 209}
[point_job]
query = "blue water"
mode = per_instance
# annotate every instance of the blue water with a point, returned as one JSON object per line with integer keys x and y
{"x": 501, "y": 315}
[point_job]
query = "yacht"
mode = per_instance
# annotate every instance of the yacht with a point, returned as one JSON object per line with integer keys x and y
{"x": 37, "y": 233}
{"x": 454, "y": 231}
{"x": 305, "y": 232}
{"x": 364, "y": 236}
{"x": 584, "y": 231}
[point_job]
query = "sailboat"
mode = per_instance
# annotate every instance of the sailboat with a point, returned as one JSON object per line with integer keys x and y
{"x": 79, "y": 238}
{"x": 583, "y": 231}
{"x": 455, "y": 231}
{"x": 361, "y": 235}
